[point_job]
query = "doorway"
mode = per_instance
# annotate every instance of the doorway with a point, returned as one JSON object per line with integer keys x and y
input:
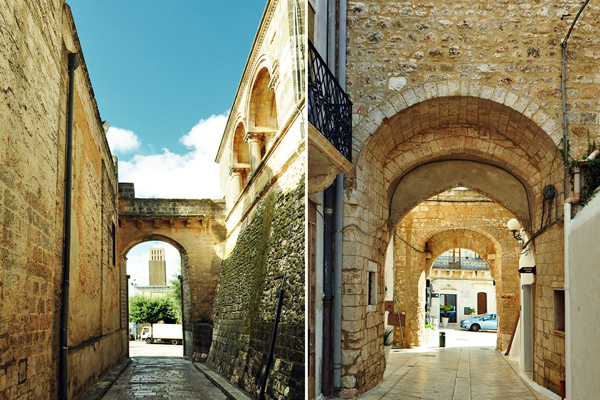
{"x": 450, "y": 299}
{"x": 481, "y": 303}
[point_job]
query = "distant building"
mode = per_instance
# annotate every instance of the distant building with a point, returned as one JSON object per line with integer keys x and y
{"x": 157, "y": 267}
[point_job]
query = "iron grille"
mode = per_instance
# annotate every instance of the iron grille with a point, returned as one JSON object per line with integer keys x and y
{"x": 329, "y": 108}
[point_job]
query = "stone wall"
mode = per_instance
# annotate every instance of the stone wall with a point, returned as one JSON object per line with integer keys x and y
{"x": 34, "y": 42}
{"x": 478, "y": 81}
{"x": 250, "y": 280}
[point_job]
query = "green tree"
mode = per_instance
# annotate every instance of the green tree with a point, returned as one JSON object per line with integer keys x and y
{"x": 175, "y": 296}
{"x": 175, "y": 284}
{"x": 151, "y": 310}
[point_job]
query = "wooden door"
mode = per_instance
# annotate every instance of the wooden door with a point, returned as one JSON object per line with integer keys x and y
{"x": 481, "y": 303}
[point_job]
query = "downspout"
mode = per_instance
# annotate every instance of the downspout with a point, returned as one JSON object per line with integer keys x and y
{"x": 327, "y": 289}
{"x": 64, "y": 318}
{"x": 567, "y": 211}
{"x": 339, "y": 223}
{"x": 337, "y": 284}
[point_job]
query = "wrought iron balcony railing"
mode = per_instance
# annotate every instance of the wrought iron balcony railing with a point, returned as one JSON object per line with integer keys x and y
{"x": 329, "y": 108}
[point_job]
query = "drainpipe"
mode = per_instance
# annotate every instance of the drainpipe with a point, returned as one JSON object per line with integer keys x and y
{"x": 339, "y": 222}
{"x": 337, "y": 284}
{"x": 64, "y": 318}
{"x": 568, "y": 347}
{"x": 331, "y": 31}
{"x": 327, "y": 289}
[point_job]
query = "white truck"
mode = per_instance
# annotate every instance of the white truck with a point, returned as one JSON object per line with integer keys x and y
{"x": 163, "y": 333}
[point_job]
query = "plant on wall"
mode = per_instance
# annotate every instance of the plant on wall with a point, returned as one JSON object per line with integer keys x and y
{"x": 388, "y": 337}
{"x": 470, "y": 311}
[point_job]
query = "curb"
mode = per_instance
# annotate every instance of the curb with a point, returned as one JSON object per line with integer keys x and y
{"x": 101, "y": 387}
{"x": 230, "y": 391}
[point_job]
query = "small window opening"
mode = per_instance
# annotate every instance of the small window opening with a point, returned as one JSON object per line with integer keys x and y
{"x": 559, "y": 310}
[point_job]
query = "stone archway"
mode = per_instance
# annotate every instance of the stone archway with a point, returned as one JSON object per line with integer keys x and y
{"x": 196, "y": 229}
{"x": 481, "y": 229}
{"x": 507, "y": 135}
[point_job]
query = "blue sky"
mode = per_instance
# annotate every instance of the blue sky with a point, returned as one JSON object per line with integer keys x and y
{"x": 164, "y": 78}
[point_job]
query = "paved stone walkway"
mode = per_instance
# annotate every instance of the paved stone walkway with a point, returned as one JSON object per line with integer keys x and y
{"x": 457, "y": 373}
{"x": 162, "y": 377}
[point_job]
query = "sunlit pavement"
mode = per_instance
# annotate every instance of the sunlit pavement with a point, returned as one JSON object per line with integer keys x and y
{"x": 468, "y": 368}
{"x": 143, "y": 349}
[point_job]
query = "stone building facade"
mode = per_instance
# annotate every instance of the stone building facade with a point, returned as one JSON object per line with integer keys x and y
{"x": 262, "y": 161}
{"x": 462, "y": 94}
{"x": 35, "y": 42}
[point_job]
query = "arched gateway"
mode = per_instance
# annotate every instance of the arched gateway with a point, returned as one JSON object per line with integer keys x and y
{"x": 195, "y": 228}
{"x": 423, "y": 141}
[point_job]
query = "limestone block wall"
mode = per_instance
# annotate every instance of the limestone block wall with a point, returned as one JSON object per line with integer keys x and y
{"x": 34, "y": 42}
{"x": 263, "y": 255}
{"x": 505, "y": 46}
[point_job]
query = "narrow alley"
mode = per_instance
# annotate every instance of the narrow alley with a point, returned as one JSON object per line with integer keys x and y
{"x": 468, "y": 368}
{"x": 171, "y": 378}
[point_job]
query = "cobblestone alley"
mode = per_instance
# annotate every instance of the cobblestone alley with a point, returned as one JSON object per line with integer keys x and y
{"x": 160, "y": 377}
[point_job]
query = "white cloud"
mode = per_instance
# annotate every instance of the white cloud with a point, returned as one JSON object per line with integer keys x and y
{"x": 194, "y": 175}
{"x": 122, "y": 140}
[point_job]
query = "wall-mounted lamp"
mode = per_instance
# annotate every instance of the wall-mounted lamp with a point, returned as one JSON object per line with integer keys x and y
{"x": 514, "y": 226}
{"x": 527, "y": 260}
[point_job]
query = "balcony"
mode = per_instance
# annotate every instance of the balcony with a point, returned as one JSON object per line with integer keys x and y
{"x": 330, "y": 128}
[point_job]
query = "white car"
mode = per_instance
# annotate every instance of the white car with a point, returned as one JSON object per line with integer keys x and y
{"x": 484, "y": 321}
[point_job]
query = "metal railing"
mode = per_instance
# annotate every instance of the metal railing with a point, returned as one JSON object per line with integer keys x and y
{"x": 329, "y": 108}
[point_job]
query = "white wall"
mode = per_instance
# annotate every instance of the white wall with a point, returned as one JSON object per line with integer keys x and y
{"x": 584, "y": 260}
{"x": 466, "y": 294}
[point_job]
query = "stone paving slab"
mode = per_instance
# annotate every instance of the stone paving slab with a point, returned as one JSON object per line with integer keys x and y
{"x": 458, "y": 373}
{"x": 161, "y": 377}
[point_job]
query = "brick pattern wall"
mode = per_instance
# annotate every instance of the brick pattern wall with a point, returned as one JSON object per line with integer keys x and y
{"x": 247, "y": 299}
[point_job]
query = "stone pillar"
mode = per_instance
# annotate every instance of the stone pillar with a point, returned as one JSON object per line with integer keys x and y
{"x": 254, "y": 142}
{"x": 236, "y": 181}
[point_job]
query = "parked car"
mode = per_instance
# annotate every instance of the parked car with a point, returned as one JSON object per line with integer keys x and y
{"x": 484, "y": 321}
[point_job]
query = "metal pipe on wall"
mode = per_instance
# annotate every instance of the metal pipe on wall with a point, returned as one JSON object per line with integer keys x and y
{"x": 337, "y": 284}
{"x": 73, "y": 62}
{"x": 327, "y": 289}
{"x": 339, "y": 223}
